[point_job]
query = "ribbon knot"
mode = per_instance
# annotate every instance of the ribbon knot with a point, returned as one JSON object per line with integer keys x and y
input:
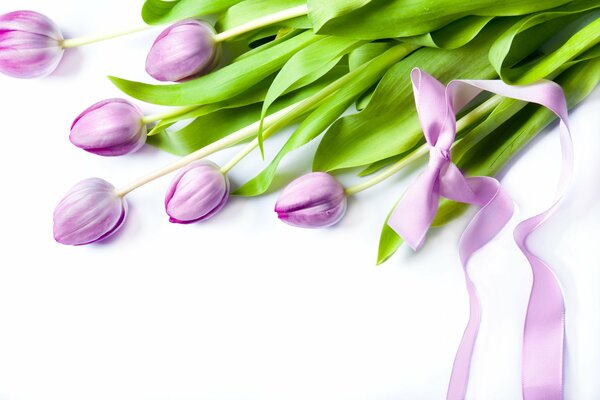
{"x": 412, "y": 217}
{"x": 439, "y": 157}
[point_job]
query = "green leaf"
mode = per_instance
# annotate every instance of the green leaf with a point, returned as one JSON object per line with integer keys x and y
{"x": 389, "y": 242}
{"x": 381, "y": 19}
{"x": 506, "y": 140}
{"x": 156, "y": 12}
{"x": 580, "y": 24}
{"x": 226, "y": 118}
{"x": 221, "y": 84}
{"x": 278, "y": 40}
{"x": 381, "y": 164}
{"x": 453, "y": 35}
{"x": 361, "y": 78}
{"x": 256, "y": 95}
{"x": 368, "y": 51}
{"x": 313, "y": 61}
{"x": 362, "y": 55}
{"x": 321, "y": 11}
{"x": 389, "y": 125}
{"x": 249, "y": 10}
{"x": 205, "y": 130}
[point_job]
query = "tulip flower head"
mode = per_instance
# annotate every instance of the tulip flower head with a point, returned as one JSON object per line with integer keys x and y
{"x": 198, "y": 192}
{"x": 183, "y": 51}
{"x": 91, "y": 211}
{"x": 30, "y": 45}
{"x": 110, "y": 128}
{"x": 314, "y": 200}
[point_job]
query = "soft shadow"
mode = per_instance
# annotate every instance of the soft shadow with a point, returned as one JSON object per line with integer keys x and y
{"x": 147, "y": 151}
{"x": 70, "y": 64}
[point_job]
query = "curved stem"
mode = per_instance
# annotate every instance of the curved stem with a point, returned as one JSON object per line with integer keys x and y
{"x": 469, "y": 119}
{"x": 234, "y": 138}
{"x": 389, "y": 172}
{"x": 267, "y": 20}
{"x": 168, "y": 114}
{"x": 240, "y": 156}
{"x": 82, "y": 41}
{"x": 390, "y": 57}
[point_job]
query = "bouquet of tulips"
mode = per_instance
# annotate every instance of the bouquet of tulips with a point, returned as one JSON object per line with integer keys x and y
{"x": 239, "y": 71}
{"x": 267, "y": 64}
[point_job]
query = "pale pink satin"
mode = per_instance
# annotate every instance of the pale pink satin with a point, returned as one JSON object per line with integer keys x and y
{"x": 544, "y": 325}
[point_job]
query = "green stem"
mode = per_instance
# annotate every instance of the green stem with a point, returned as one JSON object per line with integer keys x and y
{"x": 273, "y": 122}
{"x": 385, "y": 60}
{"x": 267, "y": 20}
{"x": 230, "y": 140}
{"x": 82, "y": 41}
{"x": 169, "y": 114}
{"x": 466, "y": 121}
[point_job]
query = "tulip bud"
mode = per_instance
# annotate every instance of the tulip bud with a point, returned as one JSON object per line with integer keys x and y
{"x": 30, "y": 45}
{"x": 198, "y": 192}
{"x": 314, "y": 200}
{"x": 110, "y": 128}
{"x": 183, "y": 51}
{"x": 91, "y": 211}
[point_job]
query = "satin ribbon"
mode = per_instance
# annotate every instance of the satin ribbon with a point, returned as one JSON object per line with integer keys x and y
{"x": 544, "y": 324}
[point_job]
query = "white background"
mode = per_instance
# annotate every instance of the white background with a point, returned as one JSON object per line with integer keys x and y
{"x": 245, "y": 307}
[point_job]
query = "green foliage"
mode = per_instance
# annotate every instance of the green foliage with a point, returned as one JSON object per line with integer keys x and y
{"x": 453, "y": 35}
{"x": 389, "y": 125}
{"x": 355, "y": 83}
{"x": 381, "y": 19}
{"x": 215, "y": 121}
{"x": 503, "y": 141}
{"x": 221, "y": 84}
{"x": 310, "y": 63}
{"x": 554, "y": 38}
{"x": 156, "y": 12}
{"x": 249, "y": 10}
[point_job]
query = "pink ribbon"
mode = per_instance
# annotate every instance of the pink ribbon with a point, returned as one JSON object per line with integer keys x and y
{"x": 544, "y": 324}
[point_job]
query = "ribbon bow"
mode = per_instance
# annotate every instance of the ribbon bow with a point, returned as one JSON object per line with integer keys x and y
{"x": 544, "y": 325}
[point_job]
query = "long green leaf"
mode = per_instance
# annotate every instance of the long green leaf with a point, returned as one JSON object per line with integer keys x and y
{"x": 453, "y": 35}
{"x": 322, "y": 11}
{"x": 223, "y": 119}
{"x": 381, "y": 19}
{"x": 249, "y": 10}
{"x": 532, "y": 33}
{"x": 489, "y": 156}
{"x": 368, "y": 51}
{"x": 362, "y": 55}
{"x": 325, "y": 114}
{"x": 222, "y": 84}
{"x": 256, "y": 95}
{"x": 312, "y": 61}
{"x": 389, "y": 125}
{"x": 156, "y": 12}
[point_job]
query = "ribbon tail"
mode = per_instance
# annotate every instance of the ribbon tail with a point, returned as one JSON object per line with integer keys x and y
{"x": 497, "y": 210}
{"x": 543, "y": 337}
{"x": 543, "y": 341}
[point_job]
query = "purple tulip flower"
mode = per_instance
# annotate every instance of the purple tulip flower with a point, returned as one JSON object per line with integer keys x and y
{"x": 199, "y": 191}
{"x": 110, "y": 128}
{"x": 91, "y": 211}
{"x": 183, "y": 51}
{"x": 314, "y": 200}
{"x": 30, "y": 45}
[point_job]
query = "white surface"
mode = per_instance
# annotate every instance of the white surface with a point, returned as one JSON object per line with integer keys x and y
{"x": 245, "y": 307}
